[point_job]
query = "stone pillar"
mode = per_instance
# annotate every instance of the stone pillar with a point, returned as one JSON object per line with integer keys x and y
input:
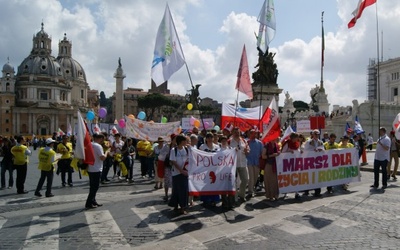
{"x": 119, "y": 92}
{"x": 265, "y": 93}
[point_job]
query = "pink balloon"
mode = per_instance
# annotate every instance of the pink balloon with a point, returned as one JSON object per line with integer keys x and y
{"x": 207, "y": 125}
{"x": 192, "y": 120}
{"x": 121, "y": 123}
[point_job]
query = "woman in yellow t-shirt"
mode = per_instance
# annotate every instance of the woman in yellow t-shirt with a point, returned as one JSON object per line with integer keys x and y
{"x": 64, "y": 163}
{"x": 46, "y": 158}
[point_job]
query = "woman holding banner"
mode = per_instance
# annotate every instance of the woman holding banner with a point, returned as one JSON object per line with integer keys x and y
{"x": 292, "y": 145}
{"x": 210, "y": 146}
{"x": 270, "y": 152}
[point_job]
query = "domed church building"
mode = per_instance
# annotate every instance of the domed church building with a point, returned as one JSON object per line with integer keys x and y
{"x": 45, "y": 93}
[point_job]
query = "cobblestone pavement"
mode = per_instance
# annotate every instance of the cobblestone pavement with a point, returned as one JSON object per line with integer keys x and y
{"x": 135, "y": 217}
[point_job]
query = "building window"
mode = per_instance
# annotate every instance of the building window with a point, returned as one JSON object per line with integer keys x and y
{"x": 7, "y": 111}
{"x": 7, "y": 86}
{"x": 82, "y": 94}
{"x": 7, "y": 101}
{"x": 7, "y": 121}
{"x": 44, "y": 95}
{"x": 395, "y": 91}
{"x": 7, "y": 130}
{"x": 395, "y": 76}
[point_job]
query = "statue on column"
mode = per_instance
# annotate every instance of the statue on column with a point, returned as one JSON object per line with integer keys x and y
{"x": 193, "y": 97}
{"x": 267, "y": 72}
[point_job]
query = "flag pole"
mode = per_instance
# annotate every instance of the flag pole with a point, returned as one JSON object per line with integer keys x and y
{"x": 377, "y": 66}
{"x": 322, "y": 52}
{"x": 236, "y": 108}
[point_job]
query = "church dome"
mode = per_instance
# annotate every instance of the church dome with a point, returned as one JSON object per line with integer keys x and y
{"x": 38, "y": 65}
{"x": 72, "y": 69}
{"x": 8, "y": 68}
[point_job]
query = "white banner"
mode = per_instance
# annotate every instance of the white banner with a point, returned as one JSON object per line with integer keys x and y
{"x": 212, "y": 173}
{"x": 150, "y": 131}
{"x": 186, "y": 123}
{"x": 303, "y": 126}
{"x": 310, "y": 170}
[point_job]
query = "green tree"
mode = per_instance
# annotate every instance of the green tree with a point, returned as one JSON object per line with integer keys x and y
{"x": 153, "y": 101}
{"x": 103, "y": 99}
{"x": 300, "y": 106}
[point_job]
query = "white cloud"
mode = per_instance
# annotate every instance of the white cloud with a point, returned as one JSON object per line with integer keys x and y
{"x": 103, "y": 31}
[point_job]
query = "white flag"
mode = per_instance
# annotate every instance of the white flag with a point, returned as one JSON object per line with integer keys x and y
{"x": 287, "y": 133}
{"x": 396, "y": 126}
{"x": 266, "y": 18}
{"x": 168, "y": 54}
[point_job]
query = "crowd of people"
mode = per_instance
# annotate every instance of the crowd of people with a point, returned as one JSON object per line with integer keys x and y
{"x": 167, "y": 163}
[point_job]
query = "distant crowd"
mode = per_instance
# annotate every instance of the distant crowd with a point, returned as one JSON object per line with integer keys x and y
{"x": 166, "y": 163}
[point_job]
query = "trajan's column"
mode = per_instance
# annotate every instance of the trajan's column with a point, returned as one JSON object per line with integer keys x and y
{"x": 119, "y": 93}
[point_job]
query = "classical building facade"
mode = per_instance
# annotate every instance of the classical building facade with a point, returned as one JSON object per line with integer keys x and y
{"x": 45, "y": 92}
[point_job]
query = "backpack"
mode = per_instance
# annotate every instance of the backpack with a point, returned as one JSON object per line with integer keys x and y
{"x": 167, "y": 162}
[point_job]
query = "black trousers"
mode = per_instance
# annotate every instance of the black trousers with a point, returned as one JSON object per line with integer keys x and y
{"x": 106, "y": 167}
{"x": 94, "y": 183}
{"x": 45, "y": 175}
{"x": 21, "y": 177}
{"x": 143, "y": 165}
{"x": 377, "y": 166}
{"x": 64, "y": 166}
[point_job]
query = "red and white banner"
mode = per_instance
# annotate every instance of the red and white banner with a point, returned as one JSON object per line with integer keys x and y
{"x": 271, "y": 127}
{"x": 244, "y": 118}
{"x": 212, "y": 173}
{"x": 309, "y": 170}
{"x": 150, "y": 131}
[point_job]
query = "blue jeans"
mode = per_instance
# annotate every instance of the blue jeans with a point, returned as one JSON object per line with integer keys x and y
{"x": 377, "y": 166}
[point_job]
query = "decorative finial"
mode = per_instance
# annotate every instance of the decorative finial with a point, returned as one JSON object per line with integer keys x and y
{"x": 8, "y": 59}
{"x": 42, "y": 25}
{"x": 65, "y": 36}
{"x": 119, "y": 62}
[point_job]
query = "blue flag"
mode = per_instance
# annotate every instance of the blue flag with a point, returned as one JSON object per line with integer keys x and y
{"x": 357, "y": 127}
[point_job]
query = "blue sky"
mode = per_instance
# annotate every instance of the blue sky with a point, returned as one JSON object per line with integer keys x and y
{"x": 212, "y": 34}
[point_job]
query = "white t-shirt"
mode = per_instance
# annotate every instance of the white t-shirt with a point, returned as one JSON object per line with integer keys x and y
{"x": 181, "y": 158}
{"x": 241, "y": 156}
{"x": 381, "y": 154}
{"x": 118, "y": 146}
{"x": 98, "y": 163}
{"x": 162, "y": 153}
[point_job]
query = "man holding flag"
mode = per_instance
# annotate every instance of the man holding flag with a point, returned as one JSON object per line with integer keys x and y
{"x": 94, "y": 171}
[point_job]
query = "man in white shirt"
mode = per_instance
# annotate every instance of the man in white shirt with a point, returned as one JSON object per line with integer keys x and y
{"x": 314, "y": 144}
{"x": 242, "y": 149}
{"x": 382, "y": 156}
{"x": 94, "y": 171}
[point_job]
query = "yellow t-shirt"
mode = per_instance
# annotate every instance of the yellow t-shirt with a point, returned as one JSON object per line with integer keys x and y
{"x": 20, "y": 157}
{"x": 329, "y": 146}
{"x": 46, "y": 158}
{"x": 65, "y": 150}
{"x": 348, "y": 145}
{"x": 144, "y": 148}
